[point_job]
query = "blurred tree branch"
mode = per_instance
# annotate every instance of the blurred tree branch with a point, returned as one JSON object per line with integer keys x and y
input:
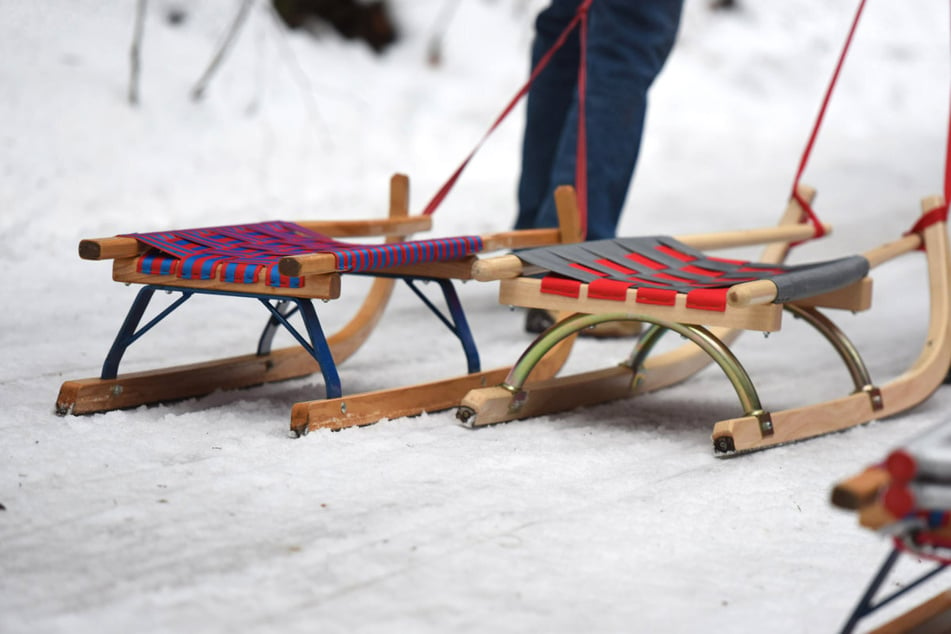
{"x": 198, "y": 91}
{"x": 135, "y": 51}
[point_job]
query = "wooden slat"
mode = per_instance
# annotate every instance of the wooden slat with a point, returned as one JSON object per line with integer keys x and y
{"x": 569, "y": 215}
{"x": 854, "y": 297}
{"x": 752, "y": 293}
{"x": 444, "y": 269}
{"x": 861, "y": 489}
{"x": 501, "y": 267}
{"x": 527, "y": 292}
{"x": 310, "y": 264}
{"x": 110, "y": 248}
{"x": 494, "y": 404}
{"x": 86, "y": 396}
{"x": 520, "y": 239}
{"x": 750, "y": 237}
{"x": 892, "y": 250}
{"x": 370, "y": 407}
{"x": 315, "y": 287}
{"x": 875, "y": 516}
{"x": 369, "y": 228}
{"x": 931, "y": 617}
{"x": 796, "y": 424}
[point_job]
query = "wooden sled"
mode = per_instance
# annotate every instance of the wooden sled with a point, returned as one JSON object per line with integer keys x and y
{"x": 906, "y": 497}
{"x": 316, "y": 352}
{"x": 750, "y": 305}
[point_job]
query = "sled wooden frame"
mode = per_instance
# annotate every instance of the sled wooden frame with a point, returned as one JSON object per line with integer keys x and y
{"x": 757, "y": 428}
{"x": 864, "y": 493}
{"x": 111, "y": 391}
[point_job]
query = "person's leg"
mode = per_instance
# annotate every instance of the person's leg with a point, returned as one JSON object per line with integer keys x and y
{"x": 628, "y": 43}
{"x": 549, "y": 100}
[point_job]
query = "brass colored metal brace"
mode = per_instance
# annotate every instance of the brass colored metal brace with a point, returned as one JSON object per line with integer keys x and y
{"x": 846, "y": 349}
{"x": 706, "y": 340}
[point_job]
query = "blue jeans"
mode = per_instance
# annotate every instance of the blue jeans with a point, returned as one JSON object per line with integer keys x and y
{"x": 628, "y": 43}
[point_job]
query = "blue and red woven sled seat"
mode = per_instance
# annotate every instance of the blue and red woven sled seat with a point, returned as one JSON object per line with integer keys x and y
{"x": 251, "y": 253}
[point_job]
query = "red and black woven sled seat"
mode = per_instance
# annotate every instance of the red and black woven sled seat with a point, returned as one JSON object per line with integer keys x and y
{"x": 661, "y": 267}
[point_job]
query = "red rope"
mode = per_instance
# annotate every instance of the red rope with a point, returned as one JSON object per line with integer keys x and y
{"x": 936, "y": 215}
{"x": 820, "y": 231}
{"x": 581, "y": 160}
{"x": 580, "y": 18}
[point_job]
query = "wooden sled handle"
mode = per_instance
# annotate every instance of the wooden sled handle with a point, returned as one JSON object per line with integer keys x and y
{"x": 860, "y": 490}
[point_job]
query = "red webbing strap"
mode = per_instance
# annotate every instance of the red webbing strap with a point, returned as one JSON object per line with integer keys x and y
{"x": 813, "y": 218}
{"x": 939, "y": 214}
{"x": 581, "y": 152}
{"x": 581, "y": 18}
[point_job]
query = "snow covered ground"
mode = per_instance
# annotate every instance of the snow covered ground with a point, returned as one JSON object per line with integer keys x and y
{"x": 202, "y": 516}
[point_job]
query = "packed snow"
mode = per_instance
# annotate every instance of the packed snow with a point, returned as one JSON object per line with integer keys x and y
{"x": 203, "y": 516}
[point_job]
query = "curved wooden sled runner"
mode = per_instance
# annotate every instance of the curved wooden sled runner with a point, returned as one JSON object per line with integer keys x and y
{"x": 750, "y": 306}
{"x": 318, "y": 354}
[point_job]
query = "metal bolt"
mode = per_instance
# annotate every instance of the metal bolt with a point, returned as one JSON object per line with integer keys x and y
{"x": 464, "y": 415}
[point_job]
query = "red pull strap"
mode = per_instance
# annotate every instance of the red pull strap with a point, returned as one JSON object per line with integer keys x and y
{"x": 581, "y": 172}
{"x": 939, "y": 214}
{"x": 581, "y": 153}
